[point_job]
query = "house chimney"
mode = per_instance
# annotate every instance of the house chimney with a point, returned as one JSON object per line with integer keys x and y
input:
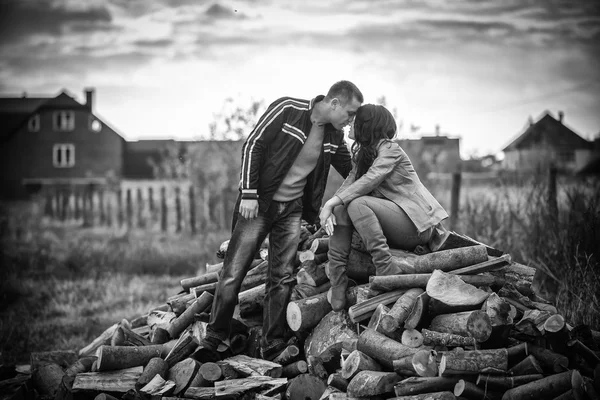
{"x": 437, "y": 130}
{"x": 89, "y": 98}
{"x": 561, "y": 115}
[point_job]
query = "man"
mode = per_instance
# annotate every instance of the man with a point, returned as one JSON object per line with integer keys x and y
{"x": 285, "y": 164}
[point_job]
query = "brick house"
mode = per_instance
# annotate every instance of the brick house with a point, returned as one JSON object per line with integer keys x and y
{"x": 55, "y": 141}
{"x": 545, "y": 142}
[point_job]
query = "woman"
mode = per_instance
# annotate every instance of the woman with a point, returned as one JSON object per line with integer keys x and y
{"x": 382, "y": 198}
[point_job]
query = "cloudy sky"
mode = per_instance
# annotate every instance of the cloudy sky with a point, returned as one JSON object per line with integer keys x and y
{"x": 162, "y": 68}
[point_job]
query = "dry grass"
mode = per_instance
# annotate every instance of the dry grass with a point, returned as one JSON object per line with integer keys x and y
{"x": 61, "y": 285}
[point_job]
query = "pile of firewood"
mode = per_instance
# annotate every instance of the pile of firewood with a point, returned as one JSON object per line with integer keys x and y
{"x": 462, "y": 321}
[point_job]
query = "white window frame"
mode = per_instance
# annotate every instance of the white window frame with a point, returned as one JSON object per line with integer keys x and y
{"x": 63, "y": 162}
{"x": 67, "y": 116}
{"x": 33, "y": 125}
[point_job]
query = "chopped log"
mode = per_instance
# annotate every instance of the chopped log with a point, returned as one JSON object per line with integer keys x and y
{"x": 83, "y": 364}
{"x": 407, "y": 281}
{"x": 492, "y": 264}
{"x": 183, "y": 348}
{"x": 382, "y": 348}
{"x": 376, "y": 319}
{"x": 445, "y": 395}
{"x": 545, "y": 388}
{"x": 243, "y": 363}
{"x": 452, "y": 240}
{"x": 63, "y": 358}
{"x": 552, "y": 361}
{"x": 182, "y": 374}
{"x": 448, "y": 260}
{"x": 436, "y": 307}
{"x": 156, "y": 366}
{"x": 451, "y": 290}
{"x": 294, "y": 369}
{"x": 158, "y": 386}
{"x": 527, "y": 366}
{"x": 162, "y": 319}
{"x": 105, "y": 396}
{"x": 585, "y": 352}
{"x": 412, "y": 338}
{"x": 337, "y": 381}
{"x": 395, "y": 318}
{"x": 159, "y": 336}
{"x": 237, "y": 387}
{"x": 203, "y": 279}
{"x": 199, "y": 305}
{"x": 304, "y": 314}
{"x": 424, "y": 363}
{"x": 418, "y": 312}
{"x": 420, "y": 385}
{"x": 471, "y": 391}
{"x": 126, "y": 337}
{"x": 364, "y": 310}
{"x": 104, "y": 338}
{"x": 198, "y": 393}
{"x": 121, "y": 357}
{"x": 372, "y": 383}
{"x": 305, "y": 387}
{"x": 503, "y": 383}
{"x": 320, "y": 245}
{"x": 356, "y": 362}
{"x": 207, "y": 375}
{"x": 47, "y": 378}
{"x": 287, "y": 356}
{"x": 473, "y": 362}
{"x": 517, "y": 353}
{"x": 319, "y": 233}
{"x": 475, "y": 324}
{"x": 303, "y": 290}
{"x": 119, "y": 381}
{"x": 251, "y": 301}
{"x": 404, "y": 366}
{"x": 312, "y": 274}
{"x": 323, "y": 346}
{"x": 256, "y": 276}
{"x": 433, "y": 338}
{"x": 329, "y": 391}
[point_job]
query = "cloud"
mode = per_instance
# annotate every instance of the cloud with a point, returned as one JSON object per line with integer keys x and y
{"x": 22, "y": 19}
{"x": 154, "y": 43}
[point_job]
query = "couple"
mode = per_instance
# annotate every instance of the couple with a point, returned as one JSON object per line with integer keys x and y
{"x": 285, "y": 164}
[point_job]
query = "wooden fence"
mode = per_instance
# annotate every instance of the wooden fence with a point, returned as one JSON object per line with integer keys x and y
{"x": 160, "y": 205}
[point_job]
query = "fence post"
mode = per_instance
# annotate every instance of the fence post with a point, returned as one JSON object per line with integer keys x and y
{"x": 163, "y": 209}
{"x": 101, "y": 206}
{"x": 178, "y": 209}
{"x": 129, "y": 208}
{"x": 192, "y": 210}
{"x": 140, "y": 208}
{"x": 76, "y": 197}
{"x": 48, "y": 206}
{"x": 151, "y": 205}
{"x": 120, "y": 207}
{"x": 109, "y": 209}
{"x": 455, "y": 199}
{"x": 552, "y": 193}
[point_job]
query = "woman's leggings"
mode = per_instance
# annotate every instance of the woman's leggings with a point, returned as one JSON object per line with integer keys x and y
{"x": 381, "y": 224}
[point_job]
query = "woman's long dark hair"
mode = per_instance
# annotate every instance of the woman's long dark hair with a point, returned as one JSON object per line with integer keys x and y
{"x": 372, "y": 123}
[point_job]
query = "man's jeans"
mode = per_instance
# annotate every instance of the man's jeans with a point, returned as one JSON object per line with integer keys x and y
{"x": 282, "y": 221}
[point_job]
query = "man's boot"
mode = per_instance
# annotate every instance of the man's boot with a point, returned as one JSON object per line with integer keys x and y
{"x": 339, "y": 250}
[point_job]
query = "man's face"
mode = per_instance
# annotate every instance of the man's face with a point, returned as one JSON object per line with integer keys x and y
{"x": 342, "y": 115}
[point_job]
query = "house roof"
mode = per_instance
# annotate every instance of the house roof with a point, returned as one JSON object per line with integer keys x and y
{"x": 16, "y": 111}
{"x": 550, "y": 130}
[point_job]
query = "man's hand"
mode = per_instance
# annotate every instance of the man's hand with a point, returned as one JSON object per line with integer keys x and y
{"x": 249, "y": 208}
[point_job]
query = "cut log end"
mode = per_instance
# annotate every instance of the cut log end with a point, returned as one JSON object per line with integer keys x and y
{"x": 294, "y": 316}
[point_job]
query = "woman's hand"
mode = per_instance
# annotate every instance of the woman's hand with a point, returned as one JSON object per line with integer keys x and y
{"x": 326, "y": 216}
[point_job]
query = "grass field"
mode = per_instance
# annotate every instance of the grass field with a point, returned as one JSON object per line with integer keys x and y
{"x": 62, "y": 285}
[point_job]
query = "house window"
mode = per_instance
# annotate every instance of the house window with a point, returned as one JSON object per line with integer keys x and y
{"x": 33, "y": 125}
{"x": 94, "y": 125}
{"x": 566, "y": 156}
{"x": 64, "y": 120}
{"x": 63, "y": 155}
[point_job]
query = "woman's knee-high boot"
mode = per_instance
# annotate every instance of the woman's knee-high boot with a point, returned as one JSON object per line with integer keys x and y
{"x": 339, "y": 250}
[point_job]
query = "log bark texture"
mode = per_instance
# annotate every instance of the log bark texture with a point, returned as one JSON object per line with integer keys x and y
{"x": 476, "y": 324}
{"x": 382, "y": 348}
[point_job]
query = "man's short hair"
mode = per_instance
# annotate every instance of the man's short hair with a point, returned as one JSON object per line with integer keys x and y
{"x": 345, "y": 91}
